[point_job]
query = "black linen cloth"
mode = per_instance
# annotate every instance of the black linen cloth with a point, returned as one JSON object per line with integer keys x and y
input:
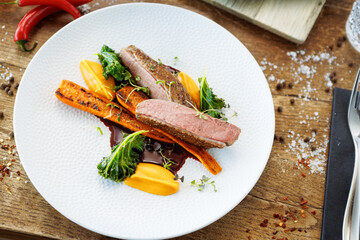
{"x": 339, "y": 167}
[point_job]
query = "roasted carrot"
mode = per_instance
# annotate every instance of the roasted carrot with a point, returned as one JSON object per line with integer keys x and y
{"x": 81, "y": 98}
{"x": 129, "y": 99}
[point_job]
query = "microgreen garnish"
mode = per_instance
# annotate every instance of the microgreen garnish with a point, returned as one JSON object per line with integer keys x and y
{"x": 167, "y": 89}
{"x": 160, "y": 62}
{"x": 137, "y": 88}
{"x": 175, "y": 60}
{"x": 99, "y": 129}
{"x": 167, "y": 163}
{"x": 112, "y": 105}
{"x": 203, "y": 182}
{"x": 152, "y": 67}
{"x": 118, "y": 115}
{"x": 198, "y": 113}
{"x": 179, "y": 178}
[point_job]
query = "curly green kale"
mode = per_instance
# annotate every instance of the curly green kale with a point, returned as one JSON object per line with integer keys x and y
{"x": 124, "y": 158}
{"x": 209, "y": 102}
{"x": 112, "y": 64}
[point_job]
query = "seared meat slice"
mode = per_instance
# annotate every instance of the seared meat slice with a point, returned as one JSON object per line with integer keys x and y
{"x": 185, "y": 123}
{"x": 151, "y": 71}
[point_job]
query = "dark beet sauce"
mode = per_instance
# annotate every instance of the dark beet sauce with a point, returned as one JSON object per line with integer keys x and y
{"x": 152, "y": 148}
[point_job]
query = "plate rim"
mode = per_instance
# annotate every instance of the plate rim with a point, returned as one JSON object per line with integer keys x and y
{"x": 169, "y": 235}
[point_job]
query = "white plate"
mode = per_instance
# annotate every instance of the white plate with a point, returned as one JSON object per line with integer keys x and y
{"x": 60, "y": 147}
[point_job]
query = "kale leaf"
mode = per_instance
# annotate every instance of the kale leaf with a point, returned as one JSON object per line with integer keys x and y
{"x": 123, "y": 159}
{"x": 209, "y": 102}
{"x": 112, "y": 64}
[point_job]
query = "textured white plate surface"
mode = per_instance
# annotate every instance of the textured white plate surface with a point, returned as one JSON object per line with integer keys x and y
{"x": 60, "y": 147}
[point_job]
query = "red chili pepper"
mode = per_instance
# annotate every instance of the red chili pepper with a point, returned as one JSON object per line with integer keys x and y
{"x": 63, "y": 4}
{"x": 27, "y": 23}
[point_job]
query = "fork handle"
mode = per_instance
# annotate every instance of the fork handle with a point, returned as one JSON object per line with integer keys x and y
{"x": 351, "y": 216}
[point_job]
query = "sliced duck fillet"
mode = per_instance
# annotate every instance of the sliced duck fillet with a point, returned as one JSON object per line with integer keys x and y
{"x": 184, "y": 123}
{"x": 150, "y": 71}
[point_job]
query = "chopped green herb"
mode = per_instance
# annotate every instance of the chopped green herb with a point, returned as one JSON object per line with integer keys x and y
{"x": 99, "y": 129}
{"x": 160, "y": 62}
{"x": 137, "y": 78}
{"x": 124, "y": 158}
{"x": 152, "y": 67}
{"x": 203, "y": 182}
{"x": 209, "y": 101}
{"x": 175, "y": 60}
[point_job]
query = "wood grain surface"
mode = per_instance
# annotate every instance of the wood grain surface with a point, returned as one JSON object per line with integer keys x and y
{"x": 283, "y": 185}
{"x": 299, "y": 16}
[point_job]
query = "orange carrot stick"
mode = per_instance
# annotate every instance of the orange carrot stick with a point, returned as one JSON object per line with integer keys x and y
{"x": 129, "y": 98}
{"x": 81, "y": 98}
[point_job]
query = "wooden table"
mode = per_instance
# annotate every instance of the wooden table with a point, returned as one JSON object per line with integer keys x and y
{"x": 284, "y": 183}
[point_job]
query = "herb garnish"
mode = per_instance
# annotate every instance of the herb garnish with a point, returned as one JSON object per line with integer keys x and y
{"x": 99, "y": 129}
{"x": 137, "y": 88}
{"x": 160, "y": 62}
{"x": 203, "y": 181}
{"x": 124, "y": 158}
{"x": 167, "y": 163}
{"x": 112, "y": 105}
{"x": 167, "y": 89}
{"x": 152, "y": 67}
{"x": 175, "y": 60}
{"x": 119, "y": 114}
{"x": 209, "y": 102}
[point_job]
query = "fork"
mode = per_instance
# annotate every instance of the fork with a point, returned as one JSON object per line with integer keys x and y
{"x": 351, "y": 216}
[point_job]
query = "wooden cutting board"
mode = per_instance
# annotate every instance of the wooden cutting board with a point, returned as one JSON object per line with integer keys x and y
{"x": 291, "y": 19}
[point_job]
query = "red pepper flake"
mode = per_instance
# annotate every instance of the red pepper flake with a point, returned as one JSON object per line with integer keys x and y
{"x": 1, "y": 179}
{"x": 276, "y": 215}
{"x": 291, "y": 215}
{"x": 249, "y": 237}
{"x": 285, "y": 198}
{"x": 13, "y": 160}
{"x": 313, "y": 212}
{"x": 18, "y": 173}
{"x": 275, "y": 232}
{"x": 263, "y": 224}
{"x": 303, "y": 175}
{"x": 296, "y": 168}
{"x": 265, "y": 221}
{"x": 304, "y": 207}
{"x": 284, "y": 225}
{"x": 273, "y": 237}
{"x": 283, "y": 219}
{"x": 277, "y": 225}
{"x": 286, "y": 230}
{"x": 292, "y": 229}
{"x": 303, "y": 202}
{"x": 303, "y": 214}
